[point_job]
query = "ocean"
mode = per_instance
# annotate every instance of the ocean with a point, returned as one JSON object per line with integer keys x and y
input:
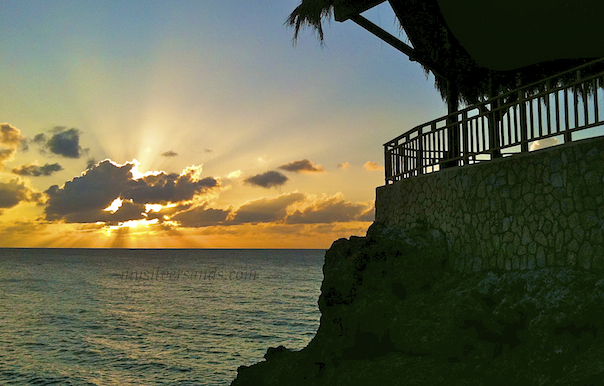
{"x": 151, "y": 317}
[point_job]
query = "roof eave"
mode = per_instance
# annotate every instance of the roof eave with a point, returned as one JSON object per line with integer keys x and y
{"x": 345, "y": 9}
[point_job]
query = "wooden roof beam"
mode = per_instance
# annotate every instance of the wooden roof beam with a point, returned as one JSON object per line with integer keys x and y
{"x": 396, "y": 43}
{"x": 345, "y": 9}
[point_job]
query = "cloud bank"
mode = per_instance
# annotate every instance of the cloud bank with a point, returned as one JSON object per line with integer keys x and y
{"x": 84, "y": 198}
{"x": 16, "y": 191}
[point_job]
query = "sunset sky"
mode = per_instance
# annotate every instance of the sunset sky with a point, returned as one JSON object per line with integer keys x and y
{"x": 195, "y": 124}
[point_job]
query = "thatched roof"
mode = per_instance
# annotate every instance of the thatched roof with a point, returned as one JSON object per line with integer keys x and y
{"x": 480, "y": 67}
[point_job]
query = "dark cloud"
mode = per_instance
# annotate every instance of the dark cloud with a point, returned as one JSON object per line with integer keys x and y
{"x": 96, "y": 189}
{"x": 165, "y": 188}
{"x": 24, "y": 143}
{"x": 40, "y": 139}
{"x": 334, "y": 209}
{"x": 15, "y": 191}
{"x": 266, "y": 209}
{"x": 65, "y": 142}
{"x": 267, "y": 180}
{"x": 169, "y": 153}
{"x": 201, "y": 217}
{"x": 302, "y": 166}
{"x": 35, "y": 170}
{"x": 208, "y": 150}
{"x": 90, "y": 163}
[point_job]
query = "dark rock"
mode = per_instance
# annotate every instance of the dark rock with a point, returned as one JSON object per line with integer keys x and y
{"x": 394, "y": 313}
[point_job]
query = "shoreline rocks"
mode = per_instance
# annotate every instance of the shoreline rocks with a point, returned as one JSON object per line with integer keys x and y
{"x": 394, "y": 313}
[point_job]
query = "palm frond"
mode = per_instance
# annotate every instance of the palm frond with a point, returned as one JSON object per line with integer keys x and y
{"x": 310, "y": 13}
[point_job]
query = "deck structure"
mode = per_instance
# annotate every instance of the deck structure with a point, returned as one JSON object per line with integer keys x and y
{"x": 503, "y": 125}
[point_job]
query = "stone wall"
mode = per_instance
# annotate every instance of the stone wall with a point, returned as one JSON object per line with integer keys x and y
{"x": 539, "y": 209}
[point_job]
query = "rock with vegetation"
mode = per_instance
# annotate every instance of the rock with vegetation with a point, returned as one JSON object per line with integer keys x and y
{"x": 394, "y": 313}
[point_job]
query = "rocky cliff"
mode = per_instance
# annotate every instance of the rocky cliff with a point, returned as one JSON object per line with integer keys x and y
{"x": 395, "y": 313}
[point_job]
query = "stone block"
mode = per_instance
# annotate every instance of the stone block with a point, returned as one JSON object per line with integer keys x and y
{"x": 551, "y": 260}
{"x": 561, "y": 258}
{"x": 573, "y": 246}
{"x": 598, "y": 257}
{"x": 500, "y": 260}
{"x": 540, "y": 237}
{"x": 477, "y": 264}
{"x": 531, "y": 262}
{"x": 515, "y": 262}
{"x": 540, "y": 258}
{"x": 523, "y": 262}
{"x": 584, "y": 257}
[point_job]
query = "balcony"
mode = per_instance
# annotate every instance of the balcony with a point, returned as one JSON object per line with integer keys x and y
{"x": 567, "y": 106}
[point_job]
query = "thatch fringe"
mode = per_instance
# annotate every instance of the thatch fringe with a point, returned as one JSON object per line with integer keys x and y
{"x": 310, "y": 13}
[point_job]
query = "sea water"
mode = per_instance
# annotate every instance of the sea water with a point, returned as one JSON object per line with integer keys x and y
{"x": 151, "y": 317}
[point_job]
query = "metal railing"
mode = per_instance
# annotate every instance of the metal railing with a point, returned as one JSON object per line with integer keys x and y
{"x": 530, "y": 113}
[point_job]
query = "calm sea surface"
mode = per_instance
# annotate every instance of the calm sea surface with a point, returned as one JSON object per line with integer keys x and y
{"x": 151, "y": 317}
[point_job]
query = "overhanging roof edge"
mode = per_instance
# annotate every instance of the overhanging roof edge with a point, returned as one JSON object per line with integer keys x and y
{"x": 345, "y": 9}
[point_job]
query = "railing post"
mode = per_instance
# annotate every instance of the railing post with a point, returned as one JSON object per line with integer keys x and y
{"x": 452, "y": 125}
{"x": 493, "y": 130}
{"x": 420, "y": 152}
{"x": 387, "y": 165}
{"x": 465, "y": 131}
{"x": 523, "y": 123}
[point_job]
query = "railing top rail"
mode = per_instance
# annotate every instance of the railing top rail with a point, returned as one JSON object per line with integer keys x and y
{"x": 491, "y": 100}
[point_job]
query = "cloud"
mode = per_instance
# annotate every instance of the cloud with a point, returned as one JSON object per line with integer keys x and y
{"x": 6, "y": 155}
{"x": 372, "y": 166}
{"x": 267, "y": 180}
{"x": 302, "y": 166}
{"x": 40, "y": 139}
{"x": 34, "y": 169}
{"x": 64, "y": 142}
{"x": 328, "y": 210}
{"x": 11, "y": 138}
{"x": 344, "y": 165}
{"x": 16, "y": 191}
{"x": 201, "y": 216}
{"x": 266, "y": 209}
{"x": 543, "y": 143}
{"x": 368, "y": 215}
{"x": 90, "y": 163}
{"x": 234, "y": 175}
{"x": 126, "y": 212}
{"x": 263, "y": 159}
{"x": 10, "y": 135}
{"x": 85, "y": 197}
{"x": 169, "y": 153}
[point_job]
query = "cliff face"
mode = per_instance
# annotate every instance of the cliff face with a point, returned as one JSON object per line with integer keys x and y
{"x": 394, "y": 313}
